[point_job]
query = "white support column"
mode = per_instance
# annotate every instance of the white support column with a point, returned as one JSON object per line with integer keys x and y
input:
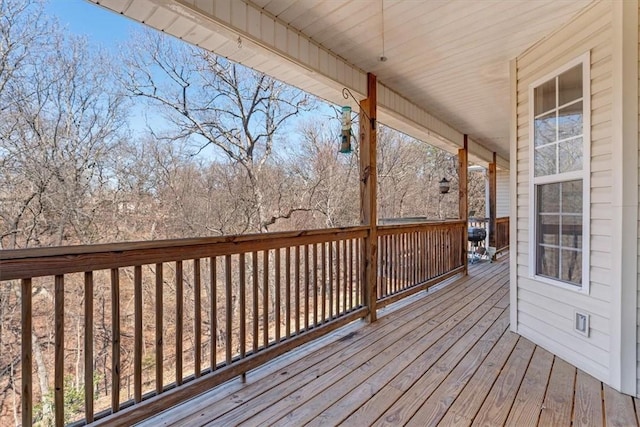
{"x": 623, "y": 357}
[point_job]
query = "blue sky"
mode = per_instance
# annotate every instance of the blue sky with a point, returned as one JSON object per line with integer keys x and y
{"x": 108, "y": 29}
{"x": 98, "y": 24}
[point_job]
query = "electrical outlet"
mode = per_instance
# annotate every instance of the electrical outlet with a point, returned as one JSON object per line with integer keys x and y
{"x": 581, "y": 323}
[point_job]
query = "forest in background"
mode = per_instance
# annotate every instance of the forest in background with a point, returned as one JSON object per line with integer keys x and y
{"x": 225, "y": 150}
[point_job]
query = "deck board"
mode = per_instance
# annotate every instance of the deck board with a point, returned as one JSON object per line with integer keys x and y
{"x": 618, "y": 408}
{"x": 443, "y": 357}
{"x": 526, "y": 407}
{"x": 588, "y": 401}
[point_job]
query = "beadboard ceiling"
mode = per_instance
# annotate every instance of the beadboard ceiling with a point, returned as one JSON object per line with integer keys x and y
{"x": 449, "y": 57}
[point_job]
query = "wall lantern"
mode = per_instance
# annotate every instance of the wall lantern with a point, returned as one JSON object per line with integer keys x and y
{"x": 345, "y": 143}
{"x": 444, "y": 186}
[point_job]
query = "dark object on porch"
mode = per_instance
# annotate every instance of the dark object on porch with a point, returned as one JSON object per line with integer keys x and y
{"x": 475, "y": 236}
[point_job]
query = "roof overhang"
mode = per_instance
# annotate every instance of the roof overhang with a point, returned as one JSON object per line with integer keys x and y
{"x": 447, "y": 67}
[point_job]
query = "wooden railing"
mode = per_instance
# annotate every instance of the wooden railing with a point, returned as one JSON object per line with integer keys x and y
{"x": 502, "y": 234}
{"x": 413, "y": 257}
{"x": 161, "y": 314}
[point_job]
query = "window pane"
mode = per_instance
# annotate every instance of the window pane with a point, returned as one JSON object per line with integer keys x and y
{"x": 545, "y": 160}
{"x": 572, "y": 196}
{"x": 572, "y": 267}
{"x": 570, "y": 121}
{"x": 570, "y": 85}
{"x": 545, "y": 97}
{"x": 572, "y": 231}
{"x": 545, "y": 129}
{"x": 549, "y": 198}
{"x": 548, "y": 262}
{"x": 549, "y": 230}
{"x": 570, "y": 155}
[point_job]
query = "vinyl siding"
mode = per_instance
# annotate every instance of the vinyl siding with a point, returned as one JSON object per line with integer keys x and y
{"x": 545, "y": 312}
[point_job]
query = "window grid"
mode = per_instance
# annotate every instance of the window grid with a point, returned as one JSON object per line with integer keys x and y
{"x": 570, "y": 157}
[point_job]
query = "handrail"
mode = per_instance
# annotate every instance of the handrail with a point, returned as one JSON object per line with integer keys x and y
{"x": 71, "y": 259}
{"x": 236, "y": 302}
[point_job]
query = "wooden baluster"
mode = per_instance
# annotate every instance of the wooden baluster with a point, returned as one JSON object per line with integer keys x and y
{"x": 213, "y": 283}
{"x": 229, "y": 308}
{"x": 115, "y": 340}
{"x": 287, "y": 291}
{"x": 59, "y": 350}
{"x": 137, "y": 333}
{"x": 179, "y": 319}
{"x": 256, "y": 309}
{"x": 330, "y": 262}
{"x": 27, "y": 353}
{"x": 386, "y": 242}
{"x": 88, "y": 346}
{"x": 296, "y": 283}
{"x": 351, "y": 303}
{"x": 315, "y": 285}
{"x": 278, "y": 305}
{"x": 243, "y": 305}
{"x": 338, "y": 274}
{"x": 159, "y": 329}
{"x": 306, "y": 287}
{"x": 265, "y": 297}
{"x": 323, "y": 294}
{"x": 197, "y": 318}
{"x": 360, "y": 291}
{"x": 345, "y": 276}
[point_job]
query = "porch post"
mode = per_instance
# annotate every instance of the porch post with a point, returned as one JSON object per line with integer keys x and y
{"x": 368, "y": 193}
{"x": 463, "y": 204}
{"x": 492, "y": 203}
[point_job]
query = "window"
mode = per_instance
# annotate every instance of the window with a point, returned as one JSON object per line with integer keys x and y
{"x": 559, "y": 175}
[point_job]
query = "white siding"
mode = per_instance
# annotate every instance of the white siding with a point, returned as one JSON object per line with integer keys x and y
{"x": 502, "y": 193}
{"x": 545, "y": 312}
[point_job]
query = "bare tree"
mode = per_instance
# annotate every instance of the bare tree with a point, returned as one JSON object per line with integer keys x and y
{"x": 210, "y": 101}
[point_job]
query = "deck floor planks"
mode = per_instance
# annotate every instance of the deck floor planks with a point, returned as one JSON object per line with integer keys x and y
{"x": 495, "y": 409}
{"x": 404, "y": 351}
{"x": 379, "y": 382}
{"x": 438, "y": 358}
{"x": 469, "y": 401}
{"x": 618, "y": 409}
{"x": 588, "y": 401}
{"x": 358, "y": 396}
{"x": 282, "y": 400}
{"x": 437, "y": 404}
{"x": 418, "y": 381}
{"x": 384, "y": 397}
{"x": 358, "y": 343}
{"x": 526, "y": 406}
{"x": 558, "y": 402}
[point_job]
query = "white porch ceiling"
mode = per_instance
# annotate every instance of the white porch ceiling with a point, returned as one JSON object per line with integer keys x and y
{"x": 446, "y": 59}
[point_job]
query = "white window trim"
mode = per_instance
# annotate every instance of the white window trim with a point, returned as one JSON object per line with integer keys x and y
{"x": 584, "y": 174}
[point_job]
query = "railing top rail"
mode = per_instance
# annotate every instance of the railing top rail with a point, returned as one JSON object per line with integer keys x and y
{"x": 400, "y": 228}
{"x": 35, "y": 262}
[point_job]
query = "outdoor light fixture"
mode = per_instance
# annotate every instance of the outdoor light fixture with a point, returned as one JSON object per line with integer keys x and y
{"x": 345, "y": 143}
{"x": 444, "y": 186}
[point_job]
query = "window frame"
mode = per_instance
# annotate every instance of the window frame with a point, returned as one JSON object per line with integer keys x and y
{"x": 584, "y": 174}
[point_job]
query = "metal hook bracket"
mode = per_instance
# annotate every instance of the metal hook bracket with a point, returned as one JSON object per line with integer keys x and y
{"x": 346, "y": 93}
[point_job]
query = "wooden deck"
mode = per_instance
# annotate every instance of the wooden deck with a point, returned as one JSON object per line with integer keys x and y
{"x": 443, "y": 358}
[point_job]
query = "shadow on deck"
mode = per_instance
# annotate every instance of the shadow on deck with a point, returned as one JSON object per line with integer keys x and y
{"x": 444, "y": 357}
